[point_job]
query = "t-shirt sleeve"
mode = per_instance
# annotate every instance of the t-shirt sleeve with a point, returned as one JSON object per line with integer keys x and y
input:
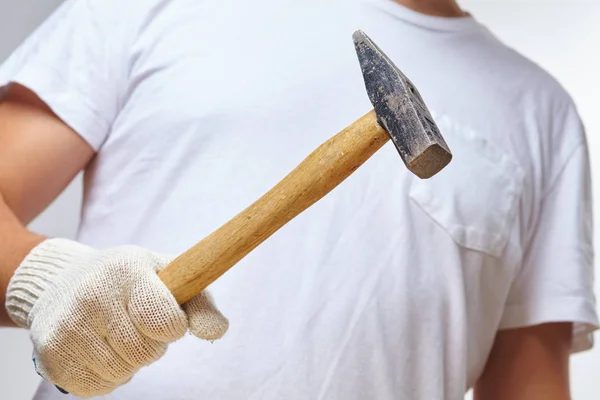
{"x": 75, "y": 61}
{"x": 556, "y": 281}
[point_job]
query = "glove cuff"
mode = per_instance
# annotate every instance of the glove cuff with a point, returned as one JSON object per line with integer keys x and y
{"x": 36, "y": 272}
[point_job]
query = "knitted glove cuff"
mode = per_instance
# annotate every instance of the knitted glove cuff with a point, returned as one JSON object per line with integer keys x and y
{"x": 36, "y": 272}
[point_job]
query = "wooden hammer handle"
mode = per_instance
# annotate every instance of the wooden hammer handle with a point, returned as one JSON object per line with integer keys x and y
{"x": 317, "y": 175}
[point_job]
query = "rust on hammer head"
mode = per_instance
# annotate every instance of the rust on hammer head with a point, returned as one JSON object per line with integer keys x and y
{"x": 401, "y": 111}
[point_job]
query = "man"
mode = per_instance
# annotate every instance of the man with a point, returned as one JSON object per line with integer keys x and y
{"x": 182, "y": 113}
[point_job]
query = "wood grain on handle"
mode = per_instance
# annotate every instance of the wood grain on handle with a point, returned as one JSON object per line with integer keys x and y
{"x": 317, "y": 175}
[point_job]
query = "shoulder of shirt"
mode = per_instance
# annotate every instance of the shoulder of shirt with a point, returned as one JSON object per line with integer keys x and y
{"x": 535, "y": 80}
{"x": 556, "y": 126}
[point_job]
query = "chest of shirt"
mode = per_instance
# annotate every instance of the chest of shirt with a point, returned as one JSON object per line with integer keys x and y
{"x": 218, "y": 116}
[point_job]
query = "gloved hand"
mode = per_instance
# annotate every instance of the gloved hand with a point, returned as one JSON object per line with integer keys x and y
{"x": 97, "y": 317}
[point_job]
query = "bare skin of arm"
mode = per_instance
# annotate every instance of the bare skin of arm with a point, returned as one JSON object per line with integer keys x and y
{"x": 528, "y": 364}
{"x": 39, "y": 156}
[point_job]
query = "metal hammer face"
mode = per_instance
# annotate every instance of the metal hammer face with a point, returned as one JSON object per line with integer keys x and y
{"x": 401, "y": 111}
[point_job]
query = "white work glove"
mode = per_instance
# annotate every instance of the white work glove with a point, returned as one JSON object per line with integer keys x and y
{"x": 97, "y": 317}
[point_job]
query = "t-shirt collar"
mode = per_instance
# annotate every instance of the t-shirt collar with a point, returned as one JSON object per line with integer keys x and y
{"x": 448, "y": 24}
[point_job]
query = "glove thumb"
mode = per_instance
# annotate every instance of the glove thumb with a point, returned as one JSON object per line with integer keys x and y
{"x": 204, "y": 319}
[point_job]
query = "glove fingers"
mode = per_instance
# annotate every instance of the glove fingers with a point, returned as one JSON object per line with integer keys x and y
{"x": 95, "y": 355}
{"x": 155, "y": 312}
{"x": 75, "y": 343}
{"x": 205, "y": 320}
{"x": 130, "y": 344}
{"x": 75, "y": 379}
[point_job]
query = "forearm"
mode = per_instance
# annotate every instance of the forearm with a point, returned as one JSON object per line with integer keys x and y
{"x": 39, "y": 157}
{"x": 15, "y": 243}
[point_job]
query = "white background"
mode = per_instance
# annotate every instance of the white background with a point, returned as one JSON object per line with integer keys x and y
{"x": 563, "y": 36}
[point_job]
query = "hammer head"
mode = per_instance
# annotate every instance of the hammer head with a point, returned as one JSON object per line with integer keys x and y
{"x": 401, "y": 111}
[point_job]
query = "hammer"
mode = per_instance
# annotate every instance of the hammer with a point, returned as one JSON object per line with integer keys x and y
{"x": 398, "y": 113}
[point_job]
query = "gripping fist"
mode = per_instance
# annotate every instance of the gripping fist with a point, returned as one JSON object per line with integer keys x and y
{"x": 96, "y": 317}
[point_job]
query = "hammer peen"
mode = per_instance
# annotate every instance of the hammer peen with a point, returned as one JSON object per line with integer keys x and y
{"x": 398, "y": 113}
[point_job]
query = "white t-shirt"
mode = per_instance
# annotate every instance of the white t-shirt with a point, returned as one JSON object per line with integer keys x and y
{"x": 391, "y": 287}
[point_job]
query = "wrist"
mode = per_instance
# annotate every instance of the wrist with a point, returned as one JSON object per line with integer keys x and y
{"x": 24, "y": 243}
